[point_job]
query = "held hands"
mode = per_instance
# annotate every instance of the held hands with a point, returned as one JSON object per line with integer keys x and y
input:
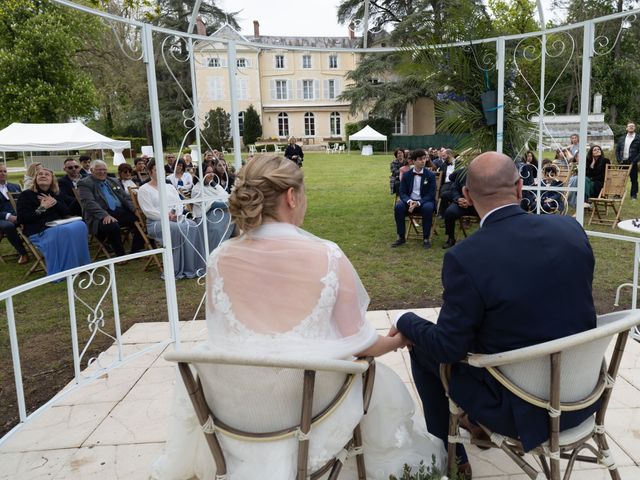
{"x": 47, "y": 201}
{"x": 462, "y": 203}
{"x": 398, "y": 338}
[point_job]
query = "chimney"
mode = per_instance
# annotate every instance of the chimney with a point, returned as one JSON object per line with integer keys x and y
{"x": 597, "y": 103}
{"x": 351, "y": 29}
{"x": 200, "y": 28}
{"x": 256, "y": 29}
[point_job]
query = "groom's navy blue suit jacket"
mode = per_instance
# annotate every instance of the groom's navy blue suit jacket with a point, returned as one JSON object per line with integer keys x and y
{"x": 519, "y": 280}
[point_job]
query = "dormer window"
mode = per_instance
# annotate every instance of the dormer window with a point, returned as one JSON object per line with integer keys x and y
{"x": 279, "y": 61}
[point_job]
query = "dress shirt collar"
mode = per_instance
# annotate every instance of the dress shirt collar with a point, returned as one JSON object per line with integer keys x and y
{"x": 495, "y": 210}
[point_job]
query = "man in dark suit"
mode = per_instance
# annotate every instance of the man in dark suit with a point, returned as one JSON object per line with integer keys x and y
{"x": 458, "y": 206}
{"x": 417, "y": 194}
{"x": 106, "y": 208}
{"x": 85, "y": 163}
{"x": 628, "y": 153}
{"x": 486, "y": 309}
{"x": 68, "y": 184}
{"x": 8, "y": 218}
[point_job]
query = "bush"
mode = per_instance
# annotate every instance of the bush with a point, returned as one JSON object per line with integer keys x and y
{"x": 252, "y": 126}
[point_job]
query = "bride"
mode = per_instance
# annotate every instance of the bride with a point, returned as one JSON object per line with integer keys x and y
{"x": 279, "y": 290}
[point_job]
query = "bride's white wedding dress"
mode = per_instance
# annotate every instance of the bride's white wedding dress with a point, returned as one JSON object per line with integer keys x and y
{"x": 281, "y": 291}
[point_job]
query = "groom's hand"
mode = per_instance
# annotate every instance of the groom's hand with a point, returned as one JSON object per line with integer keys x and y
{"x": 393, "y": 331}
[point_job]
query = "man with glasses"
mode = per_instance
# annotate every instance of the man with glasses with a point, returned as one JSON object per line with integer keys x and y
{"x": 106, "y": 208}
{"x": 68, "y": 184}
{"x": 171, "y": 162}
{"x": 8, "y": 218}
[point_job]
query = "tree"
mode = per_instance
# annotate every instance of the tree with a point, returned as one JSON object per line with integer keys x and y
{"x": 252, "y": 126}
{"x": 41, "y": 81}
{"x": 218, "y": 131}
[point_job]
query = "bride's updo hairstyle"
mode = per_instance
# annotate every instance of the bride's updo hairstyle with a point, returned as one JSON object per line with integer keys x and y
{"x": 258, "y": 187}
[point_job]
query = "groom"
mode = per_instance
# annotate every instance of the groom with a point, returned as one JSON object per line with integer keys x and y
{"x": 520, "y": 280}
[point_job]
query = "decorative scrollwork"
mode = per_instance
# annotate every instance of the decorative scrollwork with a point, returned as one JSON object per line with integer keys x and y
{"x": 131, "y": 45}
{"x": 602, "y": 44}
{"x": 170, "y": 45}
{"x": 486, "y": 62}
{"x": 357, "y": 26}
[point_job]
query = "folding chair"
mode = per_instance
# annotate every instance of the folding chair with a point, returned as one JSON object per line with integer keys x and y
{"x": 38, "y": 264}
{"x": 414, "y": 221}
{"x": 611, "y": 196}
{"x": 141, "y": 226}
{"x": 102, "y": 250}
{"x": 295, "y": 377}
{"x": 561, "y": 375}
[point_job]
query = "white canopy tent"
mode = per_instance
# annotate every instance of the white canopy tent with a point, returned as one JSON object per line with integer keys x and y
{"x": 57, "y": 137}
{"x": 368, "y": 134}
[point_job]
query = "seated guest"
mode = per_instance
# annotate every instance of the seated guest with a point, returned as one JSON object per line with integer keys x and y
{"x": 222, "y": 176}
{"x": 417, "y": 194}
{"x": 125, "y": 178}
{"x": 406, "y": 166}
{"x": 8, "y": 216}
{"x": 447, "y": 165}
{"x": 573, "y": 180}
{"x": 208, "y": 156}
{"x": 30, "y": 175}
{"x": 180, "y": 178}
{"x": 139, "y": 175}
{"x": 187, "y": 245}
{"x": 394, "y": 166}
{"x": 105, "y": 209}
{"x": 188, "y": 163}
{"x": 459, "y": 206}
{"x": 294, "y": 151}
{"x": 170, "y": 164}
{"x": 85, "y": 163}
{"x": 596, "y": 168}
{"x": 211, "y": 200}
{"x": 68, "y": 185}
{"x": 63, "y": 246}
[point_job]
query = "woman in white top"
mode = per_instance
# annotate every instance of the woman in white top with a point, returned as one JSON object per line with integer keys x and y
{"x": 278, "y": 290}
{"x": 189, "y": 257}
{"x": 125, "y": 173}
{"x": 180, "y": 178}
{"x": 211, "y": 199}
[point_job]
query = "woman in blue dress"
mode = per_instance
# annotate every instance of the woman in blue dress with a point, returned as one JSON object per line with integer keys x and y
{"x": 63, "y": 246}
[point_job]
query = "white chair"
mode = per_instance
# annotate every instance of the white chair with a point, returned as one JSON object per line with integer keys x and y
{"x": 209, "y": 393}
{"x": 263, "y": 149}
{"x": 252, "y": 149}
{"x": 341, "y": 149}
{"x": 562, "y": 375}
{"x": 276, "y": 148}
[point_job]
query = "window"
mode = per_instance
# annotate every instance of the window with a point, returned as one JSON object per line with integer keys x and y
{"x": 281, "y": 90}
{"x": 306, "y": 61}
{"x": 400, "y": 123}
{"x": 283, "y": 124}
{"x": 331, "y": 88}
{"x": 242, "y": 88}
{"x": 241, "y": 123}
{"x": 307, "y": 89}
{"x": 215, "y": 62}
{"x": 279, "y": 61}
{"x": 334, "y": 124}
{"x": 215, "y": 88}
{"x": 309, "y": 124}
{"x": 242, "y": 62}
{"x": 333, "y": 61}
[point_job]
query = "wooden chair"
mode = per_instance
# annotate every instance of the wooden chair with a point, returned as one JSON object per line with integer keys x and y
{"x": 38, "y": 264}
{"x": 297, "y": 377}
{"x": 102, "y": 250}
{"x": 611, "y": 196}
{"x": 141, "y": 226}
{"x": 414, "y": 221}
{"x": 561, "y": 375}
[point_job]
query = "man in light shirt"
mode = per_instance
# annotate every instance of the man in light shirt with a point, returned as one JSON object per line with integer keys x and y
{"x": 417, "y": 195}
{"x": 628, "y": 153}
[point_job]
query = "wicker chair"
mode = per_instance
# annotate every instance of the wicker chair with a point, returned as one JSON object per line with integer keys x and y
{"x": 562, "y": 375}
{"x": 301, "y": 375}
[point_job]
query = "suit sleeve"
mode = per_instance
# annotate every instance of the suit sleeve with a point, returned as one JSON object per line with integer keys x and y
{"x": 619, "y": 149}
{"x": 404, "y": 187}
{"x": 430, "y": 194}
{"x": 90, "y": 205}
{"x": 460, "y": 317}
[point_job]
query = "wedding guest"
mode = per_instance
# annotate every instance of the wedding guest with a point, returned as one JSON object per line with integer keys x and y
{"x": 180, "y": 179}
{"x": 322, "y": 315}
{"x": 188, "y": 163}
{"x": 187, "y": 246}
{"x": 140, "y": 175}
{"x": 407, "y": 166}
{"x": 85, "y": 163}
{"x": 394, "y": 166}
{"x": 170, "y": 163}
{"x": 125, "y": 178}
{"x": 294, "y": 151}
{"x": 68, "y": 186}
{"x": 574, "y": 144}
{"x": 222, "y": 176}
{"x": 30, "y": 175}
{"x": 211, "y": 199}
{"x": 596, "y": 168}
{"x": 63, "y": 246}
{"x": 8, "y": 216}
{"x": 628, "y": 153}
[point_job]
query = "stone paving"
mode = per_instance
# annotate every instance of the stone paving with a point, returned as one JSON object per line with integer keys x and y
{"x": 116, "y": 426}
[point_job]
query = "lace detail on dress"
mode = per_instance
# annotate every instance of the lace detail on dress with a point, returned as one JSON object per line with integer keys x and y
{"x": 315, "y": 325}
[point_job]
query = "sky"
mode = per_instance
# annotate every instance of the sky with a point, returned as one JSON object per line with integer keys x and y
{"x": 298, "y": 17}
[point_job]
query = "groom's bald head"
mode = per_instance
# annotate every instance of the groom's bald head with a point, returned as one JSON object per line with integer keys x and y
{"x": 492, "y": 181}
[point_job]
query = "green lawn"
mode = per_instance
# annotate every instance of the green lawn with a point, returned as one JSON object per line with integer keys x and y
{"x": 348, "y": 203}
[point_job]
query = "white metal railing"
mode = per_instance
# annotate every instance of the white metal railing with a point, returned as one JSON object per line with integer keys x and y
{"x": 98, "y": 274}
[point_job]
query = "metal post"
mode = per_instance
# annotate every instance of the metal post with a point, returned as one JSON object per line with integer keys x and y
{"x": 634, "y": 291}
{"x": 233, "y": 89}
{"x": 587, "y": 53}
{"x": 116, "y": 310}
{"x": 74, "y": 327}
{"x": 500, "y": 53}
{"x": 543, "y": 62}
{"x": 167, "y": 256}
{"x": 365, "y": 24}
{"x": 15, "y": 355}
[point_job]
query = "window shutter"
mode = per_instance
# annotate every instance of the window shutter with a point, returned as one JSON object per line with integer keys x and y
{"x": 211, "y": 88}
{"x": 337, "y": 88}
{"x": 272, "y": 87}
{"x": 219, "y": 89}
{"x": 316, "y": 89}
{"x": 300, "y": 95}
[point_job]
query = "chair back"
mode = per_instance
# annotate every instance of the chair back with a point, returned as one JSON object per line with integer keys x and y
{"x": 582, "y": 377}
{"x": 615, "y": 181}
{"x": 133, "y": 194}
